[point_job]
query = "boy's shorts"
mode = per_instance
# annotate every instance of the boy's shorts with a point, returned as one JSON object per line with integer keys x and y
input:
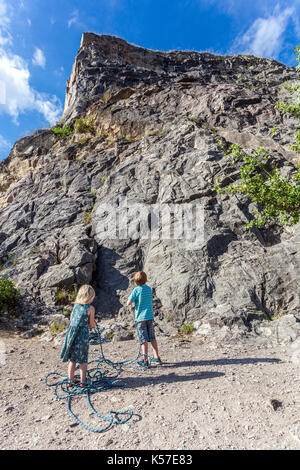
{"x": 145, "y": 331}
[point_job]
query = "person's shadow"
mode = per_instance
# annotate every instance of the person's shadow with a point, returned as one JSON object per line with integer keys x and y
{"x": 222, "y": 362}
{"x": 133, "y": 382}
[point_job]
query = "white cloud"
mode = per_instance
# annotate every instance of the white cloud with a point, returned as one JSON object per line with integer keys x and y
{"x": 20, "y": 96}
{"x": 5, "y": 36}
{"x": 264, "y": 38}
{"x": 74, "y": 18}
{"x": 39, "y": 58}
{"x": 60, "y": 71}
{"x": 4, "y": 144}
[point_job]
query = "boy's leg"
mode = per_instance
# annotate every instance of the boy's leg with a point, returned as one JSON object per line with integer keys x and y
{"x": 155, "y": 348}
{"x": 143, "y": 338}
{"x": 152, "y": 339}
{"x": 83, "y": 369}
{"x": 71, "y": 370}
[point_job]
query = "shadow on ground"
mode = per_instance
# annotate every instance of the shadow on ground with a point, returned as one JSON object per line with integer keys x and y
{"x": 134, "y": 382}
{"x": 223, "y": 362}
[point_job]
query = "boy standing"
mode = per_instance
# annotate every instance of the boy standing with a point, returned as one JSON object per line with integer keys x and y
{"x": 141, "y": 297}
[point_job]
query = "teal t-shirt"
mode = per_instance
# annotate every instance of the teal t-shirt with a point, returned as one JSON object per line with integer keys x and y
{"x": 142, "y": 298}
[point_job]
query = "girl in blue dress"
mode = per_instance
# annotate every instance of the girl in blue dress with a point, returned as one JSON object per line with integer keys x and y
{"x": 75, "y": 348}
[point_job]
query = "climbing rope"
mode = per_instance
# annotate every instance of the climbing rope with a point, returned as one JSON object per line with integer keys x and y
{"x": 102, "y": 374}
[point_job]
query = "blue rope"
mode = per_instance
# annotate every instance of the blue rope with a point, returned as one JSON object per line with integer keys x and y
{"x": 97, "y": 381}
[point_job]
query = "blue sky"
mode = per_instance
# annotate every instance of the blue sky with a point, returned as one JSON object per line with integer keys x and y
{"x": 39, "y": 40}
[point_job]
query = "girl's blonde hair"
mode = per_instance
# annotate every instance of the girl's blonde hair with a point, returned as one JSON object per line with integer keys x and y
{"x": 84, "y": 294}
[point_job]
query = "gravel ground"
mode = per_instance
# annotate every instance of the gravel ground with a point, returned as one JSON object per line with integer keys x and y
{"x": 202, "y": 397}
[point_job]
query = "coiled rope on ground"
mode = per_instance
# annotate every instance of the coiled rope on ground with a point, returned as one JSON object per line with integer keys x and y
{"x": 102, "y": 374}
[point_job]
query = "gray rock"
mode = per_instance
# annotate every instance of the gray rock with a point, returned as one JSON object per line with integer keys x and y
{"x": 84, "y": 273}
{"x": 121, "y": 334}
{"x": 284, "y": 330}
{"x": 157, "y": 144}
{"x": 79, "y": 257}
{"x": 29, "y": 334}
{"x": 58, "y": 276}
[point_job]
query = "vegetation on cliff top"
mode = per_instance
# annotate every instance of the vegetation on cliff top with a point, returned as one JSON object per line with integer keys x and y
{"x": 277, "y": 197}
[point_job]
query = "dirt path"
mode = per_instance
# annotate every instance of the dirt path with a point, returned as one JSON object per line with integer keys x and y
{"x": 201, "y": 398}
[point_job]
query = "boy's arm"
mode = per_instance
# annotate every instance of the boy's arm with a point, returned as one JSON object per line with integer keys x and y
{"x": 92, "y": 316}
{"x": 131, "y": 299}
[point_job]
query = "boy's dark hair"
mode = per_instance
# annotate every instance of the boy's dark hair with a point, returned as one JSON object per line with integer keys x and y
{"x": 140, "y": 278}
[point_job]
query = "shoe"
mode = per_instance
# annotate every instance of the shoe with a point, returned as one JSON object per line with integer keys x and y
{"x": 156, "y": 360}
{"x": 72, "y": 383}
{"x": 143, "y": 363}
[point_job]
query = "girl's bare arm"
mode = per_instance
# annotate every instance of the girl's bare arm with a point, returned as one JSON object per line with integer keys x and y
{"x": 91, "y": 313}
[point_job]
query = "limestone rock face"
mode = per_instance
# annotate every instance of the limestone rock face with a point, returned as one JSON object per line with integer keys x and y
{"x": 158, "y": 118}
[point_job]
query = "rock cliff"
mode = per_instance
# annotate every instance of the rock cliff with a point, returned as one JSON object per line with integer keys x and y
{"x": 156, "y": 122}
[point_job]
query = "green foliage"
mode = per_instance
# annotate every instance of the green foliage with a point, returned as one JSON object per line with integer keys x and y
{"x": 130, "y": 138}
{"x": 8, "y": 260}
{"x": 9, "y": 296}
{"x": 84, "y": 126}
{"x": 277, "y": 315}
{"x": 186, "y": 329}
{"x": 161, "y": 134}
{"x": 196, "y": 120}
{"x": 62, "y": 132}
{"x": 273, "y": 132}
{"x": 249, "y": 86}
{"x": 289, "y": 108}
{"x": 83, "y": 141}
{"x": 66, "y": 296}
{"x": 106, "y": 97}
{"x": 292, "y": 109}
{"x": 297, "y": 54}
{"x": 277, "y": 197}
{"x": 57, "y": 328}
{"x": 66, "y": 312}
{"x": 296, "y": 147}
{"x": 87, "y": 217}
{"x": 110, "y": 335}
{"x": 290, "y": 88}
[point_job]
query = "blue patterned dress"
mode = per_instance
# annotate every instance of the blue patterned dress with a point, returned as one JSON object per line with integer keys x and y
{"x": 76, "y": 343}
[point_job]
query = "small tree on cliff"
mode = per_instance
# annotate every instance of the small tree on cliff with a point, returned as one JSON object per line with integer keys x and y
{"x": 277, "y": 197}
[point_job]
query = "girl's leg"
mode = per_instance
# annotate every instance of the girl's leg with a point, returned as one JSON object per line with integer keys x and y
{"x": 144, "y": 350}
{"x": 71, "y": 370}
{"x": 83, "y": 369}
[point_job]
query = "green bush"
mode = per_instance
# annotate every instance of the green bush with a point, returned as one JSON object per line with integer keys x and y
{"x": 277, "y": 197}
{"x": 292, "y": 108}
{"x": 9, "y": 296}
{"x": 84, "y": 126}
{"x": 87, "y": 217}
{"x": 186, "y": 329}
{"x": 273, "y": 132}
{"x": 57, "y": 328}
{"x": 62, "y": 132}
{"x": 66, "y": 296}
{"x": 106, "y": 97}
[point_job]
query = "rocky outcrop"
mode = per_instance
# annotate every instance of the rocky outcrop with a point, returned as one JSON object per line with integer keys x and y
{"x": 158, "y": 119}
